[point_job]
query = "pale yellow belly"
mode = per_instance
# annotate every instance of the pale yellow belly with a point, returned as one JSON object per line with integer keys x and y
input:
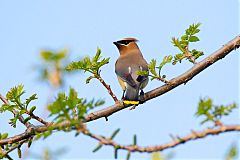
{"x": 122, "y": 83}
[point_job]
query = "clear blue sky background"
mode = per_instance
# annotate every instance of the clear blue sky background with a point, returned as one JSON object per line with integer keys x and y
{"x": 26, "y": 27}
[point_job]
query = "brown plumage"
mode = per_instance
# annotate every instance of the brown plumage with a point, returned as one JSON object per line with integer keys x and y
{"x": 129, "y": 62}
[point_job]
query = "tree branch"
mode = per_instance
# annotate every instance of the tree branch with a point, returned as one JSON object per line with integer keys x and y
{"x": 31, "y": 131}
{"x": 38, "y": 118}
{"x": 179, "y": 140}
{"x": 182, "y": 79}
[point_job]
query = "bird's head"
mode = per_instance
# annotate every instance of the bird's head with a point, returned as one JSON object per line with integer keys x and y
{"x": 125, "y": 45}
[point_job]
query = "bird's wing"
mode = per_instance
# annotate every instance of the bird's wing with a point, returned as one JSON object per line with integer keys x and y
{"x": 126, "y": 77}
{"x": 124, "y": 74}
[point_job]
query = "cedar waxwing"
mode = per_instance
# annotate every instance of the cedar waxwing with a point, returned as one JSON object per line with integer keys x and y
{"x": 129, "y": 62}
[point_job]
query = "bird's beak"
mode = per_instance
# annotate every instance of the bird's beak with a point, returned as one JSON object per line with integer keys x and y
{"x": 116, "y": 43}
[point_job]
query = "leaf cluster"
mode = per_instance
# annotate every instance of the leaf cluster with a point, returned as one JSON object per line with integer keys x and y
{"x": 152, "y": 66}
{"x": 183, "y": 45}
{"x": 21, "y": 107}
{"x": 91, "y": 65}
{"x": 52, "y": 68}
{"x": 52, "y": 56}
{"x": 70, "y": 107}
{"x": 212, "y": 112}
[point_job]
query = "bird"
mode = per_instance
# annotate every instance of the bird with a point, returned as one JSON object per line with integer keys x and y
{"x": 127, "y": 65}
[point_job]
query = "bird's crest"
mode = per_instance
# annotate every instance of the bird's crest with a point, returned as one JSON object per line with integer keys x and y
{"x": 125, "y": 41}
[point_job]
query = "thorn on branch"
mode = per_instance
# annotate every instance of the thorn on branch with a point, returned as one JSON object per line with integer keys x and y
{"x": 106, "y": 118}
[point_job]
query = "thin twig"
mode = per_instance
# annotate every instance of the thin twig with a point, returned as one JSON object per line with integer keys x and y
{"x": 38, "y": 118}
{"x": 15, "y": 147}
{"x": 175, "y": 142}
{"x": 107, "y": 87}
{"x": 189, "y": 56}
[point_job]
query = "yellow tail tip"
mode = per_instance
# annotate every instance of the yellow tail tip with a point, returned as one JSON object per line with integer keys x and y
{"x": 130, "y": 102}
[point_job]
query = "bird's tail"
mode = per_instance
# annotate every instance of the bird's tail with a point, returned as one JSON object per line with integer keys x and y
{"x": 131, "y": 96}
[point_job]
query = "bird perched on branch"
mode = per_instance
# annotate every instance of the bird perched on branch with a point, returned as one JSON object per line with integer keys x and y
{"x": 127, "y": 65}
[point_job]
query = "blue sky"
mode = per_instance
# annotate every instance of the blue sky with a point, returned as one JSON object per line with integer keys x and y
{"x": 26, "y": 27}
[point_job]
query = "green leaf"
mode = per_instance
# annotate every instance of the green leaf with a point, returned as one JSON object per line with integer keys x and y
{"x": 58, "y": 105}
{"x": 232, "y": 153}
{"x": 4, "y": 136}
{"x": 184, "y": 37}
{"x": 212, "y": 112}
{"x": 196, "y": 31}
{"x": 193, "y": 29}
{"x": 15, "y": 93}
{"x": 193, "y": 39}
{"x": 166, "y": 59}
{"x": 30, "y": 142}
{"x": 152, "y": 67}
{"x": 31, "y": 98}
{"x": 46, "y": 55}
{"x": 115, "y": 153}
{"x": 89, "y": 79}
{"x": 99, "y": 146}
{"x": 177, "y": 44}
{"x": 72, "y": 100}
{"x": 47, "y": 133}
{"x": 178, "y": 58}
{"x": 84, "y": 64}
{"x": 183, "y": 44}
{"x": 6, "y": 107}
{"x": 187, "y": 31}
{"x": 60, "y": 55}
{"x": 204, "y": 106}
{"x": 128, "y": 155}
{"x": 115, "y": 133}
{"x": 51, "y": 56}
{"x": 13, "y": 121}
{"x": 143, "y": 73}
{"x": 99, "y": 102}
{"x": 89, "y": 65}
{"x": 135, "y": 140}
{"x": 27, "y": 119}
{"x": 196, "y": 54}
{"x": 97, "y": 57}
{"x": 19, "y": 152}
{"x": 103, "y": 62}
{"x": 67, "y": 107}
{"x": 32, "y": 109}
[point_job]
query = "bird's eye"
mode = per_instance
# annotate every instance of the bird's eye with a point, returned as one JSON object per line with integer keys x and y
{"x": 124, "y": 42}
